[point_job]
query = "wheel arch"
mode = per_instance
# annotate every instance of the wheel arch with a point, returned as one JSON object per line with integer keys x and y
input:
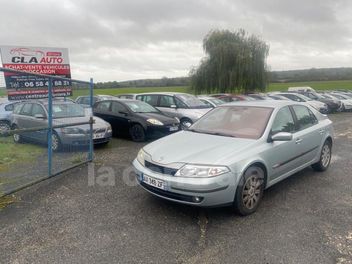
{"x": 260, "y": 164}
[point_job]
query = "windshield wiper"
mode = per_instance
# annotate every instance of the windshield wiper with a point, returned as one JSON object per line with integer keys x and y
{"x": 210, "y": 133}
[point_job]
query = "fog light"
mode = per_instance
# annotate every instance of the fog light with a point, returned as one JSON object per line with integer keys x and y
{"x": 197, "y": 199}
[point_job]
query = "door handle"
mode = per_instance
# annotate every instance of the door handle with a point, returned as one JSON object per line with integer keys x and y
{"x": 298, "y": 141}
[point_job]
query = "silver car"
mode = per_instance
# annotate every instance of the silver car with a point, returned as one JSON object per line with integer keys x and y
{"x": 234, "y": 152}
{"x": 186, "y": 107}
{"x": 34, "y": 114}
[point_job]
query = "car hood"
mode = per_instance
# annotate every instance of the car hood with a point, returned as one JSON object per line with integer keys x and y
{"x": 159, "y": 116}
{"x": 98, "y": 122}
{"x": 190, "y": 147}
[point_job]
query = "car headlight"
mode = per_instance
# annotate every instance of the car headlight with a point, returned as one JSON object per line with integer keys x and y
{"x": 154, "y": 122}
{"x": 109, "y": 130}
{"x": 201, "y": 171}
{"x": 141, "y": 156}
{"x": 72, "y": 130}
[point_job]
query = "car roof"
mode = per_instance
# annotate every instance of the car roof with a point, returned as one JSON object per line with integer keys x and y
{"x": 120, "y": 100}
{"x": 263, "y": 103}
{"x": 164, "y": 93}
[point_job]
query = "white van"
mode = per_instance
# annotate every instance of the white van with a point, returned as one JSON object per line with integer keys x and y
{"x": 301, "y": 89}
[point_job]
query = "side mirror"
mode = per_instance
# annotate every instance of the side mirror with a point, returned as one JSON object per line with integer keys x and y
{"x": 282, "y": 136}
{"x": 173, "y": 106}
{"x": 39, "y": 116}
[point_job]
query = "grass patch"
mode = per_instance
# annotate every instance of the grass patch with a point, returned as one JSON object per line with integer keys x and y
{"x": 116, "y": 91}
{"x": 12, "y": 154}
{"x": 7, "y": 200}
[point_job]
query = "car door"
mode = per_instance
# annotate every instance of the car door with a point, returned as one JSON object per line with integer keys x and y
{"x": 309, "y": 135}
{"x": 23, "y": 119}
{"x": 39, "y": 122}
{"x": 103, "y": 110}
{"x": 120, "y": 118}
{"x": 282, "y": 156}
{"x": 167, "y": 105}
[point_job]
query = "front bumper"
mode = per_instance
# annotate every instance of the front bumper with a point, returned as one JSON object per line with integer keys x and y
{"x": 160, "y": 131}
{"x": 83, "y": 139}
{"x": 203, "y": 192}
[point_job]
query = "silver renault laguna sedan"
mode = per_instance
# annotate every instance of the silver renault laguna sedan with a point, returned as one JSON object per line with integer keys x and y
{"x": 234, "y": 152}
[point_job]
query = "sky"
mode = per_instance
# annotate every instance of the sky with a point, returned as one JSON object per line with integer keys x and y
{"x": 117, "y": 40}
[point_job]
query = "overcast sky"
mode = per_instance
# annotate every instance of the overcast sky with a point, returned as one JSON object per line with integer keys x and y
{"x": 135, "y": 39}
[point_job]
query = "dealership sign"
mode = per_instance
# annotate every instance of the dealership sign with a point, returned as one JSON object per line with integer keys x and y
{"x": 48, "y": 61}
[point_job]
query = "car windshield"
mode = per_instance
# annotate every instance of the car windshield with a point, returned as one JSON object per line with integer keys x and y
{"x": 67, "y": 110}
{"x": 141, "y": 107}
{"x": 191, "y": 101}
{"x": 234, "y": 121}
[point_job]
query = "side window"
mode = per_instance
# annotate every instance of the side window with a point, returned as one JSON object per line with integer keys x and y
{"x": 305, "y": 117}
{"x": 117, "y": 107}
{"x": 181, "y": 104}
{"x": 283, "y": 121}
{"x": 206, "y": 103}
{"x": 103, "y": 106}
{"x": 26, "y": 110}
{"x": 166, "y": 101}
{"x": 38, "y": 110}
{"x": 9, "y": 107}
{"x": 17, "y": 108}
{"x": 149, "y": 99}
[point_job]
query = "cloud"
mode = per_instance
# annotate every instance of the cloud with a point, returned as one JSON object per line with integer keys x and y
{"x": 130, "y": 39}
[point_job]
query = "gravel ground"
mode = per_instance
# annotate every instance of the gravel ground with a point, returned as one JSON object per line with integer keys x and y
{"x": 72, "y": 219}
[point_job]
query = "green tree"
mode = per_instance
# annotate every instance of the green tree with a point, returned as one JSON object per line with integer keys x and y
{"x": 234, "y": 62}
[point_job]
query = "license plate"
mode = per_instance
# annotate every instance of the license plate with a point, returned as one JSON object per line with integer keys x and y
{"x": 98, "y": 135}
{"x": 175, "y": 128}
{"x": 154, "y": 182}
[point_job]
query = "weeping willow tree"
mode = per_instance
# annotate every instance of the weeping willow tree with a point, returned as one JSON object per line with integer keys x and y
{"x": 234, "y": 62}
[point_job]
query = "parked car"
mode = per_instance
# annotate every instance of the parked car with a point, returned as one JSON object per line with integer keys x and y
{"x": 234, "y": 152}
{"x": 34, "y": 114}
{"x": 277, "y": 97}
{"x": 185, "y": 107}
{"x": 6, "y": 109}
{"x": 321, "y": 107}
{"x": 232, "y": 97}
{"x": 126, "y": 96}
{"x": 135, "y": 118}
{"x": 85, "y": 100}
{"x": 211, "y": 101}
{"x": 301, "y": 89}
{"x": 333, "y": 104}
{"x": 346, "y": 101}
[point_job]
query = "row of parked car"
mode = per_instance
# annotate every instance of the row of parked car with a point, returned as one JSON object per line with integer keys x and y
{"x": 138, "y": 116}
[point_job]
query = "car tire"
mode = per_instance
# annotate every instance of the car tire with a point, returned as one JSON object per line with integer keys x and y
{"x": 137, "y": 133}
{"x": 17, "y": 138}
{"x": 4, "y": 128}
{"x": 185, "y": 123}
{"x": 55, "y": 143}
{"x": 249, "y": 191}
{"x": 325, "y": 157}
